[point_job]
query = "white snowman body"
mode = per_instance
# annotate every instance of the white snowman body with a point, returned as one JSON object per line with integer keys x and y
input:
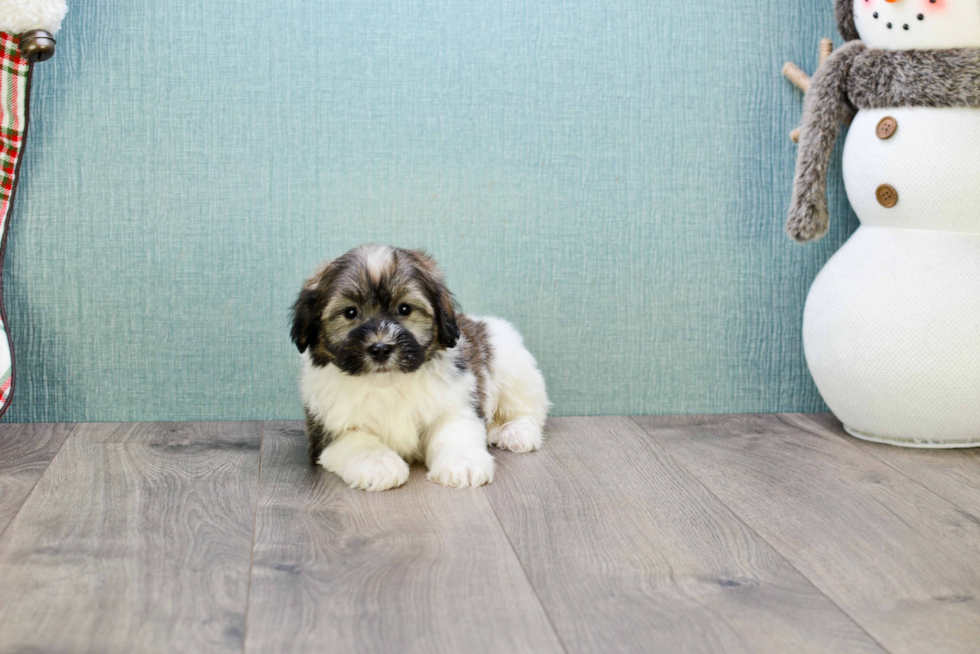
{"x": 891, "y": 327}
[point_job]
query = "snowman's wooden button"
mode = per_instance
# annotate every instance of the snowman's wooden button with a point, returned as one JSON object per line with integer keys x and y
{"x": 887, "y": 196}
{"x": 887, "y": 128}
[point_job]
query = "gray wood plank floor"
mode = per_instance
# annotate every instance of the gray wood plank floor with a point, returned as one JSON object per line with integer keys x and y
{"x": 422, "y": 569}
{"x": 25, "y": 453}
{"x": 680, "y": 534}
{"x": 629, "y": 553}
{"x": 899, "y": 559}
{"x": 952, "y": 475}
{"x": 136, "y": 539}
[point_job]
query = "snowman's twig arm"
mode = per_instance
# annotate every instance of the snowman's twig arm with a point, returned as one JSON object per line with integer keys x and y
{"x": 826, "y": 48}
{"x": 825, "y": 108}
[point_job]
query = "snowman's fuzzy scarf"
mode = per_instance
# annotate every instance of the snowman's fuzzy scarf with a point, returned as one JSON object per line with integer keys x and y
{"x": 844, "y": 13}
{"x": 857, "y": 77}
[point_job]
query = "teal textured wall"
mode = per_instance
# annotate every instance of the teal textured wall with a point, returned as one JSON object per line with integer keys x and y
{"x": 610, "y": 176}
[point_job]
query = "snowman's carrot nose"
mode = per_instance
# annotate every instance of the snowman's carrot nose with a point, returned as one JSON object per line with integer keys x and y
{"x": 892, "y": 0}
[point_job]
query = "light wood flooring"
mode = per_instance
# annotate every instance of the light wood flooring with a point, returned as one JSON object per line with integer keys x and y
{"x": 755, "y": 533}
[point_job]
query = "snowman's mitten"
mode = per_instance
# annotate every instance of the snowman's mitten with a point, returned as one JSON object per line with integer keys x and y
{"x": 824, "y": 110}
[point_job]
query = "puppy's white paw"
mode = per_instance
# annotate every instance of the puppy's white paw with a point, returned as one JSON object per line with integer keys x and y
{"x": 466, "y": 469}
{"x": 376, "y": 470}
{"x": 520, "y": 436}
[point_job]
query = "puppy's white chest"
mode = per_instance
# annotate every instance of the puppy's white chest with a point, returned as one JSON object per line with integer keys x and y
{"x": 397, "y": 408}
{"x": 391, "y": 413}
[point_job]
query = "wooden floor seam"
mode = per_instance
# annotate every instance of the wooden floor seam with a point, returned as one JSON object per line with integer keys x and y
{"x": 61, "y": 445}
{"x": 251, "y": 560}
{"x": 526, "y": 575}
{"x": 865, "y": 448}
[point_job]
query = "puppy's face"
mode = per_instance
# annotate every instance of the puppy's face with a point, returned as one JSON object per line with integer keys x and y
{"x": 375, "y": 309}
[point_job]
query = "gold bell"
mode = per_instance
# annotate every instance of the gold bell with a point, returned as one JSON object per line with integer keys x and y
{"x": 37, "y": 45}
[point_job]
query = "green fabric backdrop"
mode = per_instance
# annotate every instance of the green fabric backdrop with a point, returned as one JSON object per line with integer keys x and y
{"x": 610, "y": 176}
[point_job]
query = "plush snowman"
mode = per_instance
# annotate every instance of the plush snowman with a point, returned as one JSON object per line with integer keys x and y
{"x": 892, "y": 323}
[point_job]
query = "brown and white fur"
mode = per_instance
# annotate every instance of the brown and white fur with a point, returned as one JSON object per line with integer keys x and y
{"x": 392, "y": 374}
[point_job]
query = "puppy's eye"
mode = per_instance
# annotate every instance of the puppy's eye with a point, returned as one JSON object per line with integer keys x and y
{"x": 350, "y": 313}
{"x": 404, "y": 310}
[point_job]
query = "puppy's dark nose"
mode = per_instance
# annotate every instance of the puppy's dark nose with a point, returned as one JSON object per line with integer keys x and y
{"x": 380, "y": 351}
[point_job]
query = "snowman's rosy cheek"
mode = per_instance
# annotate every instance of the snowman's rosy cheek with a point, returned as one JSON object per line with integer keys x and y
{"x": 935, "y": 6}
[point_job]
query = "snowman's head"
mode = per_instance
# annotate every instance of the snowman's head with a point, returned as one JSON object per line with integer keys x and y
{"x": 911, "y": 24}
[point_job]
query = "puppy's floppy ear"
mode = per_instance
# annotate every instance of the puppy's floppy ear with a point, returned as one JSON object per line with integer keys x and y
{"x": 306, "y": 319}
{"x": 445, "y": 308}
{"x": 308, "y": 307}
{"x": 443, "y": 304}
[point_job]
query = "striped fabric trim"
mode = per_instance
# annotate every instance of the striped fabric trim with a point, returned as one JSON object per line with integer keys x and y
{"x": 14, "y": 70}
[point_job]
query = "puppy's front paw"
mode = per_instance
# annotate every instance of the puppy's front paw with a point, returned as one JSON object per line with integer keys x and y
{"x": 466, "y": 469}
{"x": 520, "y": 436}
{"x": 375, "y": 471}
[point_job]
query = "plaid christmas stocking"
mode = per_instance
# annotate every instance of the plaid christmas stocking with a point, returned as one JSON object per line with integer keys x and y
{"x": 27, "y": 29}
{"x": 15, "y": 85}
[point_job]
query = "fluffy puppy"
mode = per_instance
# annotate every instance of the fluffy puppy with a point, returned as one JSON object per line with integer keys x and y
{"x": 392, "y": 374}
